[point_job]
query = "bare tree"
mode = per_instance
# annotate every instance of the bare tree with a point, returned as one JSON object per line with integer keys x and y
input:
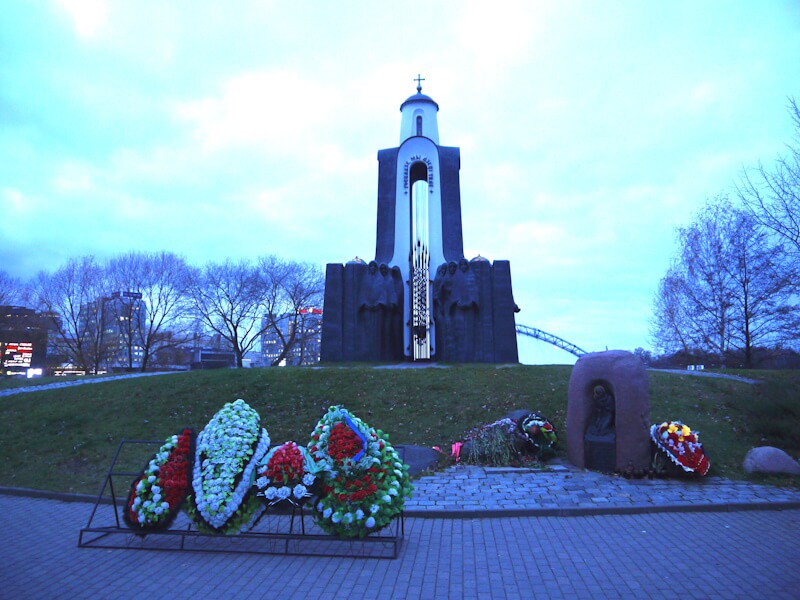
{"x": 158, "y": 303}
{"x": 11, "y": 290}
{"x": 765, "y": 305}
{"x": 76, "y": 293}
{"x": 240, "y": 301}
{"x": 730, "y": 290}
{"x": 772, "y": 195}
{"x": 229, "y": 299}
{"x": 292, "y": 288}
{"x": 706, "y": 286}
{"x": 670, "y": 325}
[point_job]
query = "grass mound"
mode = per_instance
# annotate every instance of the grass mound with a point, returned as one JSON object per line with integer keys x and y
{"x": 63, "y": 440}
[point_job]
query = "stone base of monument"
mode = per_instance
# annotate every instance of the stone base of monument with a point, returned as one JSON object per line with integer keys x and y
{"x": 600, "y": 453}
{"x": 624, "y": 377}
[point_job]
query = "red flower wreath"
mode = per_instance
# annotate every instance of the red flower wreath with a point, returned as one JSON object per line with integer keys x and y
{"x": 156, "y": 496}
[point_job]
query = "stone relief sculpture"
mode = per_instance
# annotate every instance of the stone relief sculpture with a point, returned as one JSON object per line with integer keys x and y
{"x": 464, "y": 312}
{"x": 380, "y": 313}
{"x": 372, "y": 302}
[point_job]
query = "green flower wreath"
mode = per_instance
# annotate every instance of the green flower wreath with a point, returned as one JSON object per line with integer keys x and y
{"x": 365, "y": 483}
{"x": 227, "y": 454}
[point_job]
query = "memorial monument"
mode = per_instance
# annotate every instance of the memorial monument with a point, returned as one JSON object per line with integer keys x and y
{"x": 420, "y": 299}
{"x": 608, "y": 413}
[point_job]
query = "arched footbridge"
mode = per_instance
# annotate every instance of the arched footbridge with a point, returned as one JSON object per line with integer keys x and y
{"x": 551, "y": 339}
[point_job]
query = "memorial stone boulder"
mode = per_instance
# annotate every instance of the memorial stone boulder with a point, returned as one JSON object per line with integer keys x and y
{"x": 608, "y": 413}
{"x": 767, "y": 459}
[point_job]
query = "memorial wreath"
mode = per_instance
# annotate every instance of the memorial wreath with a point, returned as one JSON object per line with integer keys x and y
{"x": 156, "y": 496}
{"x": 681, "y": 445}
{"x": 227, "y": 454}
{"x": 365, "y": 483}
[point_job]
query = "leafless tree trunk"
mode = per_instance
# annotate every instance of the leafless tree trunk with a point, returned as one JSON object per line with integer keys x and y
{"x": 240, "y": 301}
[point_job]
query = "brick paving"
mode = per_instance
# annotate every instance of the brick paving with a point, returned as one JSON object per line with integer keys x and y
{"x": 712, "y": 548}
{"x": 562, "y": 490}
{"x": 741, "y": 554}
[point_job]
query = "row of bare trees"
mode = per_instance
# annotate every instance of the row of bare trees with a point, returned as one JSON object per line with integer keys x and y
{"x": 167, "y": 303}
{"x": 734, "y": 285}
{"x": 240, "y": 301}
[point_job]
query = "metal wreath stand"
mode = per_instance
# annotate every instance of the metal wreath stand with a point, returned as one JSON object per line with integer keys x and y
{"x": 273, "y": 533}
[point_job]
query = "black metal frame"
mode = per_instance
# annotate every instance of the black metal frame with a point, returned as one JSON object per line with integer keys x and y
{"x": 279, "y": 538}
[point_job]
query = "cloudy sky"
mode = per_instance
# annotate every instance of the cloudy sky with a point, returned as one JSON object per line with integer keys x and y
{"x": 588, "y": 131}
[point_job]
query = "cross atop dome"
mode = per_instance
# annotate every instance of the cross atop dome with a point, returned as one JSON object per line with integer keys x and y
{"x": 419, "y": 115}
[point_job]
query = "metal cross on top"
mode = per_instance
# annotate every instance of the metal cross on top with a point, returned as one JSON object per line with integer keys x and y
{"x": 419, "y": 81}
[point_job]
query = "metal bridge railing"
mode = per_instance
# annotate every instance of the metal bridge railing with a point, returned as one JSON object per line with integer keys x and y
{"x": 551, "y": 339}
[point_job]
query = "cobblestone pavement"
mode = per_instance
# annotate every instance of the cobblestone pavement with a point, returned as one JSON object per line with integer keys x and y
{"x": 565, "y": 490}
{"x": 742, "y": 554}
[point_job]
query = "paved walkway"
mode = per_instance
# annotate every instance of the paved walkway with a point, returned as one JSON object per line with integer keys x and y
{"x": 697, "y": 539}
{"x": 564, "y": 490}
{"x": 743, "y": 554}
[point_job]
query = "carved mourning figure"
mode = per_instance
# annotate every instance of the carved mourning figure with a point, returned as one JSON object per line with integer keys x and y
{"x": 600, "y": 439}
{"x": 602, "y": 424}
{"x": 438, "y": 294}
{"x": 372, "y": 303}
{"x": 444, "y": 302}
{"x": 464, "y": 312}
{"x": 391, "y": 342}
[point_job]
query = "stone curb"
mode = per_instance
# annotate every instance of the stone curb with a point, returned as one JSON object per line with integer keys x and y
{"x": 497, "y": 513}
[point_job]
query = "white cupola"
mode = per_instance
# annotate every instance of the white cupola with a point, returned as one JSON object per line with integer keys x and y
{"x": 419, "y": 116}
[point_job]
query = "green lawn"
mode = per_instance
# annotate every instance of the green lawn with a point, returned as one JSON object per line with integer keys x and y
{"x": 63, "y": 440}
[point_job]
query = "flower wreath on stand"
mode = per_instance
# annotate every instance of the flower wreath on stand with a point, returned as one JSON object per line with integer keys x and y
{"x": 228, "y": 452}
{"x": 287, "y": 475}
{"x": 540, "y": 433}
{"x": 156, "y": 496}
{"x": 365, "y": 483}
{"x": 681, "y": 445}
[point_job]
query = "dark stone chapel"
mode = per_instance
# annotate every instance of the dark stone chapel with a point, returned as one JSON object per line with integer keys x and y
{"x": 421, "y": 299}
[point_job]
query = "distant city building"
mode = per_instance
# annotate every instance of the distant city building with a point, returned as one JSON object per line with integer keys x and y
{"x": 125, "y": 320}
{"x": 25, "y": 335}
{"x": 121, "y": 318}
{"x": 305, "y": 349}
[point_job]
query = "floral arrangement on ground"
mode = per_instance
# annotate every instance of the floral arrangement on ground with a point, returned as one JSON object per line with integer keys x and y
{"x": 365, "y": 483}
{"x": 517, "y": 439}
{"x": 681, "y": 446}
{"x": 540, "y": 433}
{"x": 156, "y": 496}
{"x": 228, "y": 451}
